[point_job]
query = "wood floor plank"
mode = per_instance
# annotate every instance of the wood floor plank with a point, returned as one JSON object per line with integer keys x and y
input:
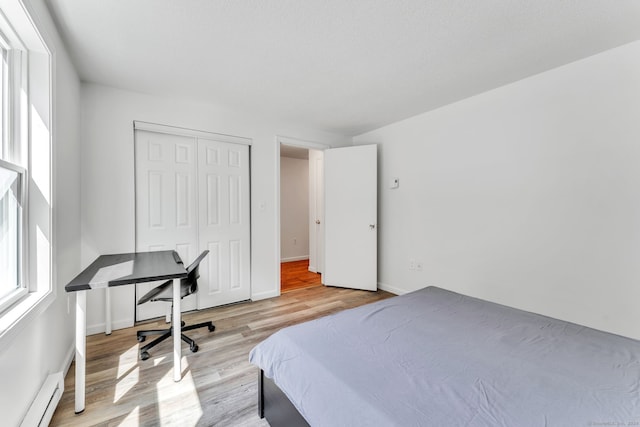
{"x": 219, "y": 385}
{"x": 296, "y": 275}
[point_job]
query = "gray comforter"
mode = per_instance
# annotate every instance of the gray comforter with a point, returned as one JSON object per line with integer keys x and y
{"x": 437, "y": 358}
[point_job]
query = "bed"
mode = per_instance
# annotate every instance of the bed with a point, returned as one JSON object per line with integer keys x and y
{"x": 437, "y": 358}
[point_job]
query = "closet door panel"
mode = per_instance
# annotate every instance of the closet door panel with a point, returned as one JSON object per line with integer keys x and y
{"x": 223, "y": 172}
{"x": 166, "y": 205}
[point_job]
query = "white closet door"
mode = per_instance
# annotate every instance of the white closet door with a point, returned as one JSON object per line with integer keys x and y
{"x": 166, "y": 205}
{"x": 224, "y": 222}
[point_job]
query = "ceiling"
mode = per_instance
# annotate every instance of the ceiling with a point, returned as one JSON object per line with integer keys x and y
{"x": 344, "y": 66}
{"x": 294, "y": 152}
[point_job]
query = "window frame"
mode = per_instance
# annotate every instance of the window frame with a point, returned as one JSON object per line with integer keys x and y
{"x": 22, "y": 290}
{"x": 14, "y": 74}
{"x": 32, "y": 63}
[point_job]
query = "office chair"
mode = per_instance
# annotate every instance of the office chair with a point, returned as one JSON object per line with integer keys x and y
{"x": 164, "y": 292}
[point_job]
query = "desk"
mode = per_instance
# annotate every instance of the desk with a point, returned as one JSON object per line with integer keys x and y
{"x": 117, "y": 270}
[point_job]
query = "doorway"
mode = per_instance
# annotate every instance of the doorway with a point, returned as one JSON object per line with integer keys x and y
{"x": 345, "y": 221}
{"x": 300, "y": 217}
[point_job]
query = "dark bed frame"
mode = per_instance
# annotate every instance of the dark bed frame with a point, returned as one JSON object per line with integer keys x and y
{"x": 274, "y": 405}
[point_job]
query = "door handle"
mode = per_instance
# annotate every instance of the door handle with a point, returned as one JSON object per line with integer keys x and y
{"x": 318, "y": 221}
{"x": 372, "y": 226}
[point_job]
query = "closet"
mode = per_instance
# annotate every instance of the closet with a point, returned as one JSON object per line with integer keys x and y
{"x": 192, "y": 194}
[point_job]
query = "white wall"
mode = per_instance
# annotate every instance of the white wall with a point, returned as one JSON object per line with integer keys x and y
{"x": 108, "y": 180}
{"x": 294, "y": 209}
{"x": 526, "y": 195}
{"x": 45, "y": 344}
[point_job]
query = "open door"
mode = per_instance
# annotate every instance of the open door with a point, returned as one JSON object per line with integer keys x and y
{"x": 351, "y": 243}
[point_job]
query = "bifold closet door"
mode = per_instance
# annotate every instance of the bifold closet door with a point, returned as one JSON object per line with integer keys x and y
{"x": 224, "y": 222}
{"x": 166, "y": 205}
{"x": 192, "y": 194}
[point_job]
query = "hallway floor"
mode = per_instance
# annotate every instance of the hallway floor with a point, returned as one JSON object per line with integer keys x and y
{"x": 296, "y": 275}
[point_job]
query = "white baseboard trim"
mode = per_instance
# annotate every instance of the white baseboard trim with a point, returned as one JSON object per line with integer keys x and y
{"x": 99, "y": 328}
{"x": 264, "y": 295}
{"x": 392, "y": 289}
{"x": 295, "y": 258}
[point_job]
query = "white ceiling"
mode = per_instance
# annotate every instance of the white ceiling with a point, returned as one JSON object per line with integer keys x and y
{"x": 346, "y": 66}
{"x": 294, "y": 152}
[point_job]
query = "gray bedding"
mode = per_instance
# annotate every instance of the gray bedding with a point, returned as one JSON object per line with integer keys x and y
{"x": 438, "y": 358}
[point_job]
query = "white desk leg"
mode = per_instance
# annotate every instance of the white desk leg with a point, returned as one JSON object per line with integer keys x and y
{"x": 107, "y": 311}
{"x": 177, "y": 330}
{"x": 81, "y": 346}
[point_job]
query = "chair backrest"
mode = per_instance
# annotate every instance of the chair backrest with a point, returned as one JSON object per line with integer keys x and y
{"x": 194, "y": 273}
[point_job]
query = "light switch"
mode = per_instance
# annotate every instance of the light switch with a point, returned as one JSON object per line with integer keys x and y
{"x": 395, "y": 183}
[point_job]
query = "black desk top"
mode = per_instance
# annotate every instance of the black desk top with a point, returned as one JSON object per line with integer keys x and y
{"x": 125, "y": 269}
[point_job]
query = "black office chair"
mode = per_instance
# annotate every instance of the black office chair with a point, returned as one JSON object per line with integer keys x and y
{"x": 164, "y": 292}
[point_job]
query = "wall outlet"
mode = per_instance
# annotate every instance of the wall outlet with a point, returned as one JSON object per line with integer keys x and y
{"x": 418, "y": 265}
{"x": 412, "y": 264}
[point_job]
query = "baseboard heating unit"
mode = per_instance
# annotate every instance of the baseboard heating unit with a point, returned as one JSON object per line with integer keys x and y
{"x": 44, "y": 405}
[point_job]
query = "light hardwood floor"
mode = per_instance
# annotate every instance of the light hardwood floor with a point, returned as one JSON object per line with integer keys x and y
{"x": 219, "y": 385}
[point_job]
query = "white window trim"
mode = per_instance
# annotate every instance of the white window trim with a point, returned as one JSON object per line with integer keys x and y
{"x": 17, "y": 294}
{"x": 13, "y": 321}
{"x": 39, "y": 295}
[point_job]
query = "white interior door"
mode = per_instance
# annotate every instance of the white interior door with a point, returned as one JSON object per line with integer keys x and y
{"x": 166, "y": 214}
{"x": 223, "y": 177}
{"x": 350, "y": 217}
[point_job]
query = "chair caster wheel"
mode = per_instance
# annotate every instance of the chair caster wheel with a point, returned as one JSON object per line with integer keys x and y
{"x": 141, "y": 338}
{"x": 182, "y": 324}
{"x": 144, "y": 355}
{"x": 193, "y": 348}
{"x": 212, "y": 328}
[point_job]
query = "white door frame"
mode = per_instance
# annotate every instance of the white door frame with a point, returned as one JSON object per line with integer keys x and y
{"x": 294, "y": 142}
{"x": 316, "y": 206}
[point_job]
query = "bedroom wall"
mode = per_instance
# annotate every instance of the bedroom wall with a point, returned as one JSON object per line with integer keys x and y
{"x": 108, "y": 180}
{"x": 44, "y": 344}
{"x": 294, "y": 209}
{"x": 526, "y": 195}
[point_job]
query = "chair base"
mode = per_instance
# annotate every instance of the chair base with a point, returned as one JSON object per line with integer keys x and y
{"x": 166, "y": 333}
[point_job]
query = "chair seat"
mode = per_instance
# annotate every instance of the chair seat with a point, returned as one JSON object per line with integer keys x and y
{"x": 164, "y": 292}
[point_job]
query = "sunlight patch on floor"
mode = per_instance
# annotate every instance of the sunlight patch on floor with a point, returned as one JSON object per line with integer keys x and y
{"x": 125, "y": 384}
{"x": 132, "y": 418}
{"x": 182, "y": 393}
{"x": 158, "y": 360}
{"x": 127, "y": 361}
{"x": 128, "y": 373}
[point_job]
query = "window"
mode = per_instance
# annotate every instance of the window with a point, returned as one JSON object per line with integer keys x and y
{"x": 26, "y": 283}
{"x": 13, "y": 285}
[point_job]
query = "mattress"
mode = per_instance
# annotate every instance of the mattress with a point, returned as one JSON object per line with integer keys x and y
{"x": 437, "y": 358}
